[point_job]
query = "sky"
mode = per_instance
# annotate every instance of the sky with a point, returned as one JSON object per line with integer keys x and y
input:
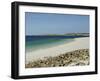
{"x": 51, "y": 23}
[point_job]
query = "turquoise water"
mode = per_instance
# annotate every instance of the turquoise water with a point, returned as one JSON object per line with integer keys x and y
{"x": 41, "y": 42}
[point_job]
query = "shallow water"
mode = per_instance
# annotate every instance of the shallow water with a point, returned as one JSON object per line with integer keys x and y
{"x": 42, "y": 42}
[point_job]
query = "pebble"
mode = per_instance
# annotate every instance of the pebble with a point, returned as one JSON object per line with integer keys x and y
{"x": 74, "y": 58}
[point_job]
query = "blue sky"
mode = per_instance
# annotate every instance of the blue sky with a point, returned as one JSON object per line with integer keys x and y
{"x": 47, "y": 23}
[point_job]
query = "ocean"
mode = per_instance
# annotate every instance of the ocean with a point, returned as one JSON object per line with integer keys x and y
{"x": 42, "y": 42}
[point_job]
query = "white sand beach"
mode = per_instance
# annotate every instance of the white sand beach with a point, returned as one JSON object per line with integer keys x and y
{"x": 78, "y": 43}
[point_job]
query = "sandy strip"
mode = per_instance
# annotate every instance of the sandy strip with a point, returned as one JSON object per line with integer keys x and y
{"x": 79, "y": 43}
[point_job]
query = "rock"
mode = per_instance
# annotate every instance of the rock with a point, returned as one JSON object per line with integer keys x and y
{"x": 74, "y": 58}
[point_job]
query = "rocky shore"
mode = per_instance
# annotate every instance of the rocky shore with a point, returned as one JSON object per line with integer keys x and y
{"x": 75, "y": 58}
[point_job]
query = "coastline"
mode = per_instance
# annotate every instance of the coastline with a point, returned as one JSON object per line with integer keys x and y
{"x": 78, "y": 43}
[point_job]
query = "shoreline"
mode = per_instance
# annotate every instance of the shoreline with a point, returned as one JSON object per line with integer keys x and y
{"x": 78, "y": 43}
{"x": 50, "y": 45}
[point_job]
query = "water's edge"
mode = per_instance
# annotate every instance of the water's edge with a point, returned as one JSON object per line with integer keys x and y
{"x": 42, "y": 42}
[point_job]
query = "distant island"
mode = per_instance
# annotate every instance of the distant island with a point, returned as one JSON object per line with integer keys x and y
{"x": 70, "y": 34}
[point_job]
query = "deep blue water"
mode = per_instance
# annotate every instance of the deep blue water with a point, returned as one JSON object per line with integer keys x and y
{"x": 41, "y": 42}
